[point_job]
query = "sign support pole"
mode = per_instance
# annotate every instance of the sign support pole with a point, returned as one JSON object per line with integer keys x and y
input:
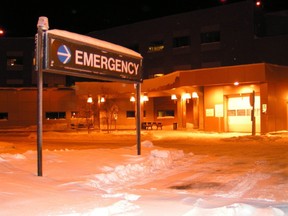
{"x": 138, "y": 117}
{"x": 252, "y": 102}
{"x": 42, "y": 26}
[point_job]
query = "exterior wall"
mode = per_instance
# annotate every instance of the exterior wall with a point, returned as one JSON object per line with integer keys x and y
{"x": 22, "y": 76}
{"x": 277, "y": 106}
{"x": 59, "y": 100}
{"x": 213, "y": 96}
{"x": 21, "y": 103}
{"x": 269, "y": 49}
{"x": 124, "y": 122}
{"x": 165, "y": 103}
{"x": 21, "y": 106}
{"x": 264, "y": 102}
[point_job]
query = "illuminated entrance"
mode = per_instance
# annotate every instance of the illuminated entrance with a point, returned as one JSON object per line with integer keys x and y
{"x": 239, "y": 114}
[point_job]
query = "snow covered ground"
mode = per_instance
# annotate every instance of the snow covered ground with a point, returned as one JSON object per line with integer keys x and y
{"x": 181, "y": 173}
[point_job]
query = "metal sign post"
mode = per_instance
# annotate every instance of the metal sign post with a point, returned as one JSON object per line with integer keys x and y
{"x": 42, "y": 26}
{"x": 138, "y": 117}
{"x": 252, "y": 103}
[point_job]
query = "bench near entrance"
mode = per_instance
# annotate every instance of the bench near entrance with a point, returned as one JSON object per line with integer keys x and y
{"x": 151, "y": 125}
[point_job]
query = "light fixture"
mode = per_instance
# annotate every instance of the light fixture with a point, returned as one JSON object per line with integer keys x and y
{"x": 102, "y": 99}
{"x": 158, "y": 75}
{"x": 132, "y": 99}
{"x": 173, "y": 97}
{"x": 195, "y": 95}
{"x": 144, "y": 98}
{"x": 187, "y": 97}
{"x": 89, "y": 99}
{"x": 236, "y": 83}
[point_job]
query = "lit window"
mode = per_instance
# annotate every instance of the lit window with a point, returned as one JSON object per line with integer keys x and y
{"x": 74, "y": 114}
{"x": 14, "y": 63}
{"x": 156, "y": 46}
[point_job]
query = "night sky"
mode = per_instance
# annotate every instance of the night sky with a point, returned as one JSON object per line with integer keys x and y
{"x": 19, "y": 19}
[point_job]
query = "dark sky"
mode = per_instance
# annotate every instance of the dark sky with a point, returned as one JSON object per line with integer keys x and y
{"x": 19, "y": 19}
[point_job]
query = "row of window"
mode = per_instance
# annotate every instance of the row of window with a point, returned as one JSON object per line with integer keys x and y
{"x": 183, "y": 41}
{"x": 243, "y": 112}
{"x": 131, "y": 114}
{"x": 15, "y": 60}
{"x": 62, "y": 115}
{"x": 160, "y": 113}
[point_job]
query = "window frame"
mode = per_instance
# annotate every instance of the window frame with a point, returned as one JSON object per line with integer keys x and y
{"x": 55, "y": 115}
{"x": 181, "y": 41}
{"x": 156, "y": 46}
{"x": 166, "y": 113}
{"x": 210, "y": 37}
{"x": 4, "y": 116}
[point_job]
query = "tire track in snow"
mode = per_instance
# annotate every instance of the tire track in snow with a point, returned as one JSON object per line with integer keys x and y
{"x": 245, "y": 183}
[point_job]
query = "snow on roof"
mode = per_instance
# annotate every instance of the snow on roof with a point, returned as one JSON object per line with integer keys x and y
{"x": 94, "y": 42}
{"x": 163, "y": 82}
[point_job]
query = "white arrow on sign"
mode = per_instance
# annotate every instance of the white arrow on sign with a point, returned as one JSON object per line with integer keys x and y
{"x": 64, "y": 54}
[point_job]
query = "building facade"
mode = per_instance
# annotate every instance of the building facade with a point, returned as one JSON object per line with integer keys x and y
{"x": 232, "y": 34}
{"x": 223, "y": 99}
{"x": 196, "y": 57}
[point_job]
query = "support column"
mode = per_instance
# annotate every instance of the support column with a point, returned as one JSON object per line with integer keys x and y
{"x": 195, "y": 113}
{"x": 181, "y": 113}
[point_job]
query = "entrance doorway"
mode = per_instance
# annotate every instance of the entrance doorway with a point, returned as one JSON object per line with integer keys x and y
{"x": 239, "y": 114}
